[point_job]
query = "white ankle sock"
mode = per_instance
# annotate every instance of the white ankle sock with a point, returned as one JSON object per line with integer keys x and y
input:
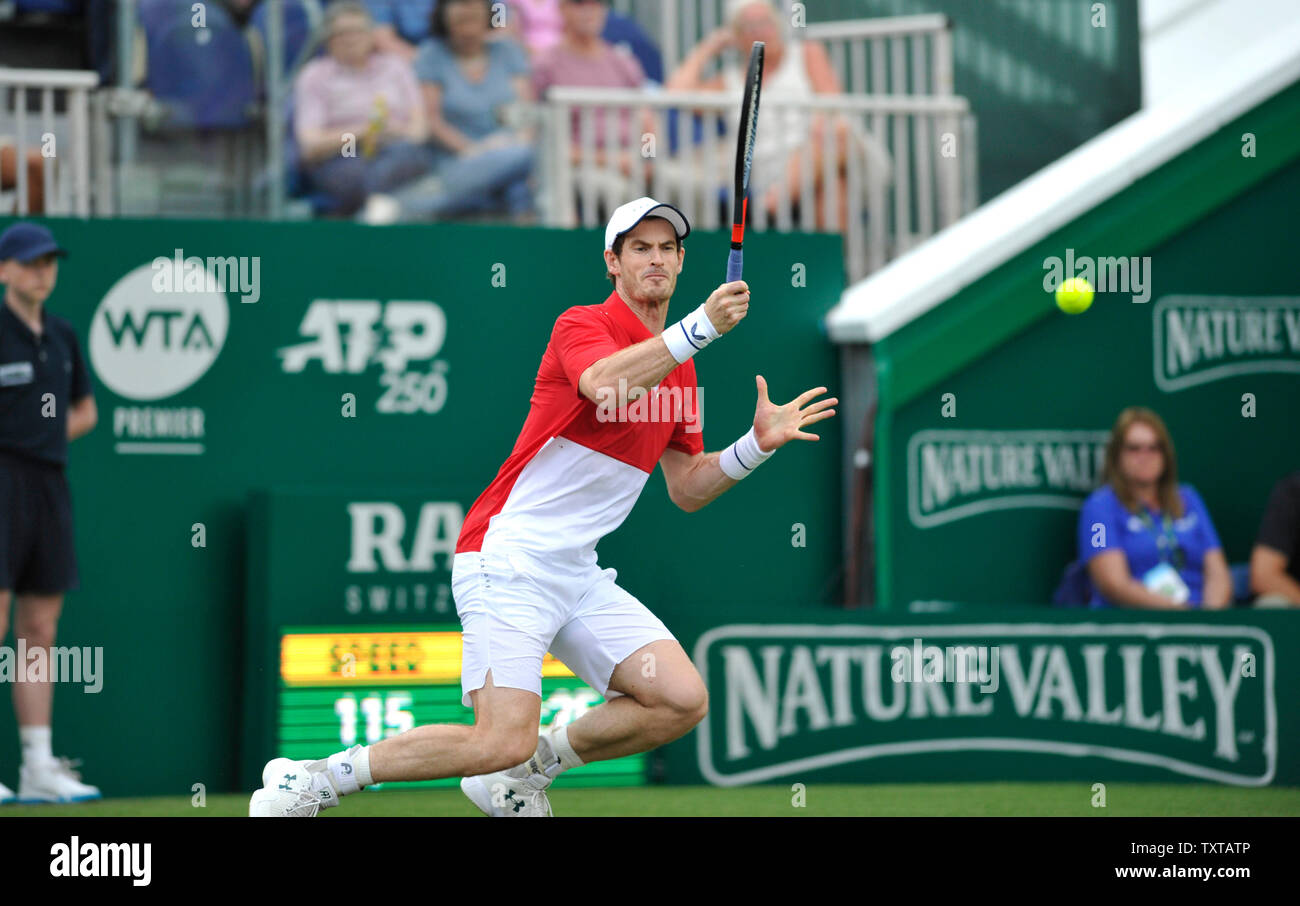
{"x": 350, "y": 769}
{"x": 555, "y": 753}
{"x": 36, "y": 744}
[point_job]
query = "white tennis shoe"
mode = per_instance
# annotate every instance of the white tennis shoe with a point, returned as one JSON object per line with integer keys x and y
{"x": 519, "y": 792}
{"x": 54, "y": 781}
{"x": 6, "y": 795}
{"x": 291, "y": 789}
{"x": 516, "y": 793}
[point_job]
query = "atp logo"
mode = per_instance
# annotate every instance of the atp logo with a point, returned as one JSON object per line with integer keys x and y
{"x": 348, "y": 336}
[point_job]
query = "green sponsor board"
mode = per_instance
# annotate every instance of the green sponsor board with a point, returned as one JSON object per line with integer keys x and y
{"x": 993, "y": 693}
{"x": 327, "y": 356}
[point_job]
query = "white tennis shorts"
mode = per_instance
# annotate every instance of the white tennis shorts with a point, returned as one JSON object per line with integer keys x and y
{"x": 514, "y": 607}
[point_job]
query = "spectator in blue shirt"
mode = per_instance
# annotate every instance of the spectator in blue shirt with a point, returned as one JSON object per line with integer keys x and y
{"x": 1148, "y": 541}
{"x": 624, "y": 32}
{"x": 400, "y": 25}
{"x": 473, "y": 90}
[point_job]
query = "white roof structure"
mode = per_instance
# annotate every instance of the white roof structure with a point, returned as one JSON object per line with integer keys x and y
{"x": 934, "y": 271}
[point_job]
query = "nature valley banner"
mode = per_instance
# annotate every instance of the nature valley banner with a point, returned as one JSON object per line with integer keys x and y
{"x": 1000, "y": 694}
{"x": 1198, "y": 339}
{"x": 953, "y": 475}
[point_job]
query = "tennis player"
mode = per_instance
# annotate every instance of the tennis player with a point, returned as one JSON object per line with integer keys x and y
{"x": 611, "y": 399}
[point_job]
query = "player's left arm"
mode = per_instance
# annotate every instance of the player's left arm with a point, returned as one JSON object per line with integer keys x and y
{"x": 696, "y": 481}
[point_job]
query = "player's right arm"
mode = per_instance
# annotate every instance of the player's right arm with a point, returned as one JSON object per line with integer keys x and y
{"x": 649, "y": 362}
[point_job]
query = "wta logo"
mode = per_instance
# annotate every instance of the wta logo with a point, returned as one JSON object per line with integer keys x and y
{"x": 148, "y": 345}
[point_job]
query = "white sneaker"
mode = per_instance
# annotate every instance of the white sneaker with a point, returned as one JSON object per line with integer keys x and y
{"x": 291, "y": 789}
{"x": 504, "y": 795}
{"x": 53, "y": 781}
{"x": 6, "y": 795}
{"x": 519, "y": 792}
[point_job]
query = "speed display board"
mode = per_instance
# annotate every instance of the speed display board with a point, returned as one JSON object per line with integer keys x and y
{"x": 339, "y": 686}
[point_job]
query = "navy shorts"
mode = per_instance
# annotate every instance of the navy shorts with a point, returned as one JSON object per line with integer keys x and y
{"x": 36, "y": 546}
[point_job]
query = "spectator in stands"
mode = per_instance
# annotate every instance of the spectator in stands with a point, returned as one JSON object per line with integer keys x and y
{"x": 359, "y": 121}
{"x": 1148, "y": 541}
{"x": 536, "y": 24}
{"x": 9, "y": 156}
{"x": 474, "y": 90}
{"x": 539, "y": 26}
{"x": 1275, "y": 561}
{"x": 626, "y": 34}
{"x": 792, "y": 72}
{"x": 583, "y": 58}
{"x": 401, "y": 25}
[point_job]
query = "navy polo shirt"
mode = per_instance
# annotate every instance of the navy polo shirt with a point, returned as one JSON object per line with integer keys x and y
{"x": 30, "y": 368}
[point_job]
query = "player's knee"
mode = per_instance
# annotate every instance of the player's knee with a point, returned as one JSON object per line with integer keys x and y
{"x": 502, "y": 751}
{"x": 687, "y": 706}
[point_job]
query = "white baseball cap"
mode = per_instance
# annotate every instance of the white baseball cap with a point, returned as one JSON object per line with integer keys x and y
{"x": 632, "y": 213}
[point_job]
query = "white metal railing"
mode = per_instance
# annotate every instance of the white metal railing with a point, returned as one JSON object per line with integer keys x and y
{"x": 893, "y": 170}
{"x": 888, "y": 55}
{"x": 63, "y": 139}
{"x": 898, "y": 55}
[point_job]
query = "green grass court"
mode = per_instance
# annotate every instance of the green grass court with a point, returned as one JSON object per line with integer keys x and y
{"x": 900, "y": 800}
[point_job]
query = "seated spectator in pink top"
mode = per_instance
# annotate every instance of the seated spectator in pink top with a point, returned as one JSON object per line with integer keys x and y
{"x": 584, "y": 59}
{"x": 358, "y": 115}
{"x": 536, "y": 24}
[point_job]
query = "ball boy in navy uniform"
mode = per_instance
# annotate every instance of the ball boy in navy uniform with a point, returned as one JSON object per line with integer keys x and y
{"x": 45, "y": 401}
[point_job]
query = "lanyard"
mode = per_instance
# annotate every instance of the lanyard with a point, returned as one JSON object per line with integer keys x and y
{"x": 1172, "y": 547}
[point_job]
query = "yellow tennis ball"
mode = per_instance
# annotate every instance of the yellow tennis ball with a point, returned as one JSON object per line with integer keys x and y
{"x": 1074, "y": 296}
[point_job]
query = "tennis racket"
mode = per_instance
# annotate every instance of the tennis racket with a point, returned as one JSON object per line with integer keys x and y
{"x": 745, "y": 157}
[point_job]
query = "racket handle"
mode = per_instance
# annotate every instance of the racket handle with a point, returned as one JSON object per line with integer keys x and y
{"x": 735, "y": 264}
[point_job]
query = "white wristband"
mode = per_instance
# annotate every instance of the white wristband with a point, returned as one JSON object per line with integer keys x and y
{"x": 742, "y": 457}
{"x": 689, "y": 335}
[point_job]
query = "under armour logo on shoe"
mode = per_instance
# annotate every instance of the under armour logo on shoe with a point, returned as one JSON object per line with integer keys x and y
{"x": 288, "y": 778}
{"x": 518, "y": 803}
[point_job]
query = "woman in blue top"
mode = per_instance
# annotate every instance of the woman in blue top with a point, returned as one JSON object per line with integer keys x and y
{"x": 471, "y": 86}
{"x": 1148, "y": 541}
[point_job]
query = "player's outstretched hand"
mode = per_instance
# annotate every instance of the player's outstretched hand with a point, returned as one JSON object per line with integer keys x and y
{"x": 775, "y": 426}
{"x": 727, "y": 305}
